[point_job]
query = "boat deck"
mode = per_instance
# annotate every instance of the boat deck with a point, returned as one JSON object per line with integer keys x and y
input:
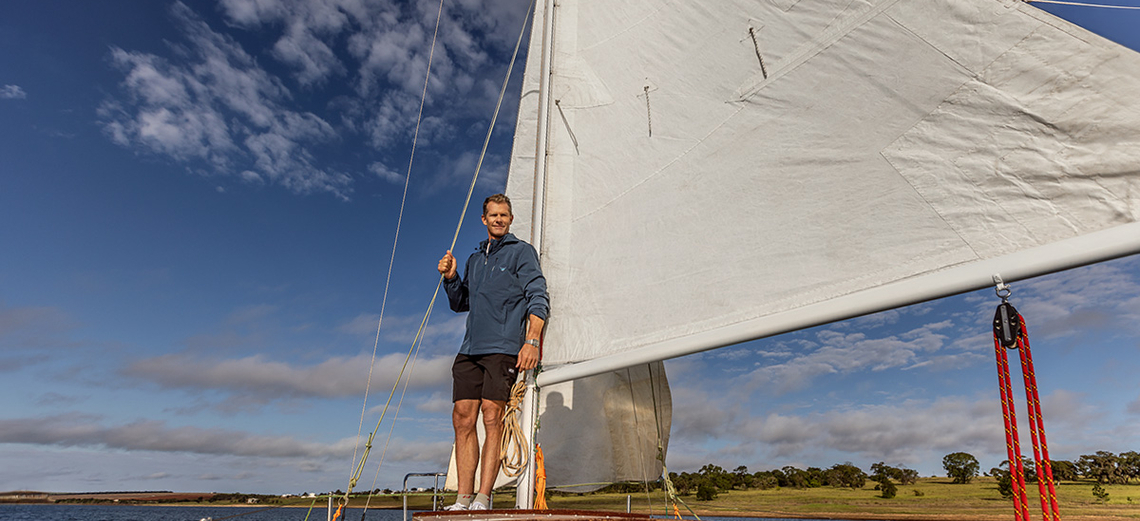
{"x": 528, "y": 515}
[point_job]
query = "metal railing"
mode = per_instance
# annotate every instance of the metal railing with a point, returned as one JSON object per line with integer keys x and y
{"x": 436, "y": 494}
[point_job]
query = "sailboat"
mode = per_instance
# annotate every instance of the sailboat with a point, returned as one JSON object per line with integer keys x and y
{"x": 698, "y": 174}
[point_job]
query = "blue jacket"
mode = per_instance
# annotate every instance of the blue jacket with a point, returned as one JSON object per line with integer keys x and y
{"x": 501, "y": 286}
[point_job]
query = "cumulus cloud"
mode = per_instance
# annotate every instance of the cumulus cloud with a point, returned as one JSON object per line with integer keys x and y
{"x": 12, "y": 92}
{"x": 258, "y": 378}
{"x": 220, "y": 108}
{"x": 910, "y": 432}
{"x": 212, "y": 102}
{"x": 838, "y": 352}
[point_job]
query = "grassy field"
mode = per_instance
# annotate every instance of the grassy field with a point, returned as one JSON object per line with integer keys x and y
{"x": 929, "y": 499}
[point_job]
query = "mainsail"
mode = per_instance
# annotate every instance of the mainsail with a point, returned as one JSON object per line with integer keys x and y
{"x": 723, "y": 171}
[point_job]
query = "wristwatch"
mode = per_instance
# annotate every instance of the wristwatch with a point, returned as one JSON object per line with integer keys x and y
{"x": 532, "y": 342}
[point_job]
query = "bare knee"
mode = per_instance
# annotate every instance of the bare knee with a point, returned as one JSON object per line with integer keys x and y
{"x": 492, "y": 412}
{"x": 464, "y": 415}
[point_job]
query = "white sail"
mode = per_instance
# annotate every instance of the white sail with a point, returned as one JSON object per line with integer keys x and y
{"x": 721, "y": 171}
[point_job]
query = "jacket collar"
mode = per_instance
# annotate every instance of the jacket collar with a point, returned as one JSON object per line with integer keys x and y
{"x": 488, "y": 246}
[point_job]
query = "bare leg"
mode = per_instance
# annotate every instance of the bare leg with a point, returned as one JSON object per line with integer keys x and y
{"x": 493, "y": 425}
{"x": 463, "y": 417}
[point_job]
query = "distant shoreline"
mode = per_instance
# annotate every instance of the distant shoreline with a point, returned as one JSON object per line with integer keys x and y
{"x": 929, "y": 499}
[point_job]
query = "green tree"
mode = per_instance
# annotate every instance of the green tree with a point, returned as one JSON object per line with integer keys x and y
{"x": 1102, "y": 466}
{"x": 1129, "y": 465}
{"x": 796, "y": 478}
{"x": 845, "y": 475}
{"x": 706, "y": 492}
{"x": 765, "y": 480}
{"x": 717, "y": 476}
{"x": 1004, "y": 481}
{"x": 960, "y": 466}
{"x": 741, "y": 479}
{"x": 1063, "y": 470}
{"x": 888, "y": 489}
{"x": 1100, "y": 493}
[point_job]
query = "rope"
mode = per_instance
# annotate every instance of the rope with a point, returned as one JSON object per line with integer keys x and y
{"x": 670, "y": 490}
{"x": 1082, "y": 4}
{"x": 512, "y": 450}
{"x": 539, "y": 479}
{"x": 1010, "y": 332}
{"x": 1012, "y": 446}
{"x": 1045, "y": 483}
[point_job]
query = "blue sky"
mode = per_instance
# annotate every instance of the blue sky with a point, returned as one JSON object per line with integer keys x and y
{"x": 197, "y": 209}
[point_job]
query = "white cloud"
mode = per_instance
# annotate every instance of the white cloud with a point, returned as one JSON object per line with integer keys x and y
{"x": 384, "y": 172}
{"x": 257, "y": 379}
{"x": 12, "y": 92}
{"x": 78, "y": 430}
{"x": 220, "y": 108}
{"x": 838, "y": 352}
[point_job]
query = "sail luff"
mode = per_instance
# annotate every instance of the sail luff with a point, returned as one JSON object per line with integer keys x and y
{"x": 1079, "y": 251}
{"x": 524, "y": 496}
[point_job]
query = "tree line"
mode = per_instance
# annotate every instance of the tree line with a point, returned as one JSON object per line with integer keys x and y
{"x": 1103, "y": 467}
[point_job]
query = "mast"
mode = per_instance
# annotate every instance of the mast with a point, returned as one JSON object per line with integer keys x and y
{"x": 525, "y": 487}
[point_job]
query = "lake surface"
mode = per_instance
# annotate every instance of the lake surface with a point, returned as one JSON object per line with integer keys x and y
{"x": 187, "y": 513}
{"x": 196, "y": 513}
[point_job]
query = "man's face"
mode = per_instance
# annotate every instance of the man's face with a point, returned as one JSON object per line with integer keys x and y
{"x": 498, "y": 220}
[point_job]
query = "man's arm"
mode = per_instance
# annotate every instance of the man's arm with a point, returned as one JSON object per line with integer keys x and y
{"x": 455, "y": 287}
{"x": 538, "y": 306}
{"x": 528, "y": 353}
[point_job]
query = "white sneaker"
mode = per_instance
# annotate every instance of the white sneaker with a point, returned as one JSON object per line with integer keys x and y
{"x": 457, "y": 506}
{"x": 475, "y": 505}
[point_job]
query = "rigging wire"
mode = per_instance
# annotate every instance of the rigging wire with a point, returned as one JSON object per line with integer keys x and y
{"x": 1082, "y": 4}
{"x": 396, "y": 239}
{"x": 418, "y": 343}
{"x": 359, "y": 466}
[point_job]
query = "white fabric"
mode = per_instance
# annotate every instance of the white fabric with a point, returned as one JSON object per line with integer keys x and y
{"x": 890, "y": 139}
{"x": 600, "y": 429}
{"x": 604, "y": 428}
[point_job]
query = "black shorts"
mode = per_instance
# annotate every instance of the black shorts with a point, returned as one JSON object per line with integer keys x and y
{"x": 487, "y": 377}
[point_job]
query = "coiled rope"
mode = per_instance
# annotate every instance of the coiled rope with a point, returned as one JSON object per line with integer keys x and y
{"x": 513, "y": 451}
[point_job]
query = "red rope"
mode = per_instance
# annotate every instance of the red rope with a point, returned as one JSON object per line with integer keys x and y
{"x": 1045, "y": 481}
{"x": 1010, "y": 325}
{"x": 1012, "y": 445}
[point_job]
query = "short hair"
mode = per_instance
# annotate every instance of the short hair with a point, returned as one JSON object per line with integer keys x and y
{"x": 498, "y": 198}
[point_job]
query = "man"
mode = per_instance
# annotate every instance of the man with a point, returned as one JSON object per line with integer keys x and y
{"x": 504, "y": 293}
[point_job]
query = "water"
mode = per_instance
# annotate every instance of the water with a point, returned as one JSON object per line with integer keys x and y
{"x": 195, "y": 513}
{"x": 187, "y": 513}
